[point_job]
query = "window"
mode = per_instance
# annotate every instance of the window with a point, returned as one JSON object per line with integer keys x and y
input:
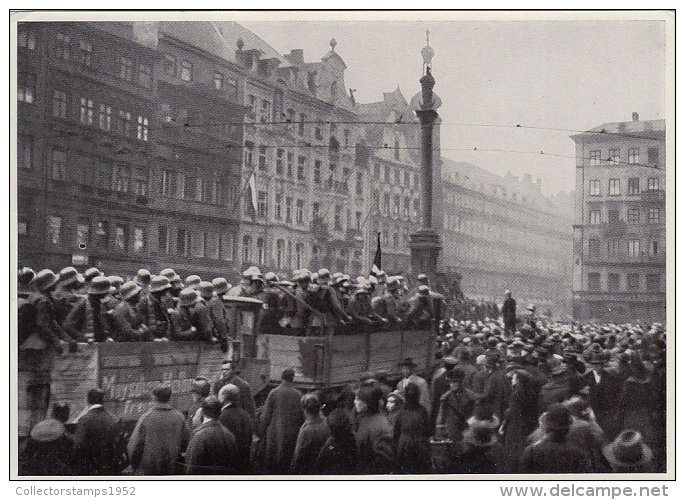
{"x": 300, "y": 126}
{"x": 291, "y": 159}
{"x": 417, "y": 207}
{"x": 338, "y": 218}
{"x": 218, "y": 80}
{"x": 655, "y": 247}
{"x": 315, "y": 210}
{"x": 145, "y": 75}
{"x": 82, "y": 234}
{"x": 386, "y": 203}
{"x": 594, "y": 158}
{"x": 407, "y": 203}
{"x": 299, "y": 254}
{"x": 633, "y": 215}
{"x": 26, "y": 37}
{"x": 280, "y": 250}
{"x": 279, "y": 161}
{"x": 633, "y": 281}
{"x": 634, "y": 248}
{"x": 301, "y": 160}
{"x": 288, "y": 209}
{"x": 279, "y": 201}
{"x": 249, "y": 153}
{"x": 59, "y": 104}
{"x": 138, "y": 239}
{"x": 227, "y": 246}
{"x": 121, "y": 178}
{"x": 634, "y": 186}
{"x": 376, "y": 171}
{"x": 142, "y": 128}
{"x": 360, "y": 183}
{"x": 105, "y": 117}
{"x": 265, "y": 111}
{"x": 54, "y": 229}
{"x": 614, "y": 187}
{"x": 613, "y": 247}
{"x": 593, "y": 282}
{"x": 120, "y": 237}
{"x": 654, "y": 215}
{"x": 614, "y": 282}
{"x": 86, "y": 111}
{"x": 653, "y": 183}
{"x": 190, "y": 187}
{"x": 397, "y": 177}
{"x": 169, "y": 65}
{"x": 24, "y": 152}
{"x": 102, "y": 234}
{"x": 59, "y": 165}
{"x": 260, "y": 251}
{"x": 126, "y": 68}
{"x": 595, "y": 217}
{"x": 163, "y": 239}
{"x": 299, "y": 211}
{"x": 182, "y": 241}
{"x": 387, "y": 175}
{"x": 26, "y": 87}
{"x": 262, "y": 158}
{"x": 186, "y": 71}
{"x": 261, "y": 204}
{"x": 85, "y": 53}
{"x": 595, "y": 189}
{"x": 168, "y": 183}
{"x": 247, "y": 244}
{"x": 63, "y": 46}
{"x": 317, "y": 171}
{"x": 317, "y": 134}
{"x": 653, "y": 282}
{"x": 346, "y": 133}
{"x": 634, "y": 156}
{"x": 140, "y": 182}
{"x": 396, "y": 205}
{"x": 397, "y": 152}
{"x": 653, "y": 156}
{"x": 593, "y": 247}
{"x": 613, "y": 156}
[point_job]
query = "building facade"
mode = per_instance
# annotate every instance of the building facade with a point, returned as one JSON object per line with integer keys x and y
{"x": 619, "y": 243}
{"x": 502, "y": 233}
{"x": 104, "y": 167}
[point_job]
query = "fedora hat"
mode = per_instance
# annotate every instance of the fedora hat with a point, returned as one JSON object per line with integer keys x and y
{"x": 628, "y": 450}
{"x": 99, "y": 286}
{"x": 408, "y": 362}
{"x": 188, "y": 297}
{"x": 159, "y": 283}
{"x": 68, "y": 275}
{"x": 129, "y": 290}
{"x": 556, "y": 418}
{"x": 44, "y": 280}
{"x": 220, "y": 285}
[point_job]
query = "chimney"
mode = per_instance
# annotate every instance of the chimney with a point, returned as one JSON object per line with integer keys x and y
{"x": 296, "y": 57}
{"x": 636, "y": 117}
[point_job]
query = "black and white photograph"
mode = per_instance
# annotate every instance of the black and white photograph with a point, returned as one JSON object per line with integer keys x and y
{"x": 342, "y": 244}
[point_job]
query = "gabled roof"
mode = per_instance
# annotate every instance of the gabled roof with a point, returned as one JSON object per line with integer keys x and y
{"x": 232, "y": 31}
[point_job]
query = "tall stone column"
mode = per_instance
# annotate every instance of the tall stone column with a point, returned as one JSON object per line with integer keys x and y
{"x": 425, "y": 243}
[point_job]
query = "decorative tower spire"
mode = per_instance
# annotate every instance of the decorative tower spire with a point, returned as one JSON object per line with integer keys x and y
{"x": 333, "y": 43}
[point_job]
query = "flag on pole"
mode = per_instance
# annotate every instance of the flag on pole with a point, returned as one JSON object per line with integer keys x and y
{"x": 376, "y": 268}
{"x": 252, "y": 183}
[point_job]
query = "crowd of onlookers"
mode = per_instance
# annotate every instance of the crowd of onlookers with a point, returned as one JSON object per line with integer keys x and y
{"x": 516, "y": 394}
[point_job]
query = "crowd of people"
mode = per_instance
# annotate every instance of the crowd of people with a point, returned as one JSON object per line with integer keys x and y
{"x": 515, "y": 394}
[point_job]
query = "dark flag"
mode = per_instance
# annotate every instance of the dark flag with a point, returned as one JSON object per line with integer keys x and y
{"x": 376, "y": 268}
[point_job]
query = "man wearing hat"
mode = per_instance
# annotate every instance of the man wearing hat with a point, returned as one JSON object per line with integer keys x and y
{"x": 438, "y": 300}
{"x": 270, "y": 315}
{"x": 37, "y": 351}
{"x": 98, "y": 440}
{"x": 557, "y": 388}
{"x": 48, "y": 449}
{"x": 555, "y": 454}
{"x": 191, "y": 319}
{"x": 421, "y": 314}
{"x": 127, "y": 324}
{"x": 323, "y": 299}
{"x": 509, "y": 313}
{"x": 229, "y": 375}
{"x": 144, "y": 278}
{"x": 88, "y": 320}
{"x": 219, "y": 313}
{"x": 91, "y": 273}
{"x": 440, "y": 385}
{"x": 493, "y": 399}
{"x": 200, "y": 388}
{"x": 159, "y": 438}
{"x": 408, "y": 368}
{"x": 629, "y": 454}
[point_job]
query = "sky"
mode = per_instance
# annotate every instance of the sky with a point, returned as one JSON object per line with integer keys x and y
{"x": 494, "y": 75}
